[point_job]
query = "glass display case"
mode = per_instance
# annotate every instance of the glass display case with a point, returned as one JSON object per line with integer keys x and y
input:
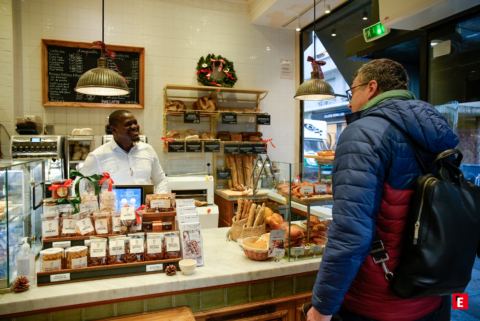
{"x": 305, "y": 198}
{"x": 77, "y": 148}
{"x": 21, "y": 196}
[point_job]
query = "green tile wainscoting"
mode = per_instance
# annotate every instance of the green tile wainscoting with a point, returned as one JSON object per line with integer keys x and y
{"x": 198, "y": 301}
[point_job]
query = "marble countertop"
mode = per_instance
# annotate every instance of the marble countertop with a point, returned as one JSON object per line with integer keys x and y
{"x": 225, "y": 263}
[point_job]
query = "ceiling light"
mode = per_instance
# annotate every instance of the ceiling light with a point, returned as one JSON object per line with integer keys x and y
{"x": 365, "y": 15}
{"x": 102, "y": 81}
{"x": 433, "y": 43}
{"x": 316, "y": 88}
{"x": 299, "y": 26}
{"x": 334, "y": 33}
{"x": 327, "y": 8}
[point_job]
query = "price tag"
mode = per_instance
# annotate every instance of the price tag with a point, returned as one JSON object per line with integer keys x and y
{"x": 211, "y": 147}
{"x": 98, "y": 249}
{"x": 189, "y": 218}
{"x": 116, "y": 226}
{"x": 187, "y": 210}
{"x": 307, "y": 189}
{"x": 51, "y": 209}
{"x": 321, "y": 188}
{"x": 117, "y": 247}
{"x": 50, "y": 228}
{"x": 230, "y": 149}
{"x": 191, "y": 118}
{"x": 79, "y": 263}
{"x": 60, "y": 277}
{"x": 62, "y": 245}
{"x": 159, "y": 203}
{"x": 297, "y": 251}
{"x": 263, "y": 119}
{"x": 176, "y": 147}
{"x": 101, "y": 226}
{"x": 277, "y": 252}
{"x": 154, "y": 245}
{"x": 229, "y": 118}
{"x": 48, "y": 266}
{"x": 154, "y": 267}
{"x": 173, "y": 243}
{"x": 224, "y": 173}
{"x": 69, "y": 226}
{"x": 185, "y": 203}
{"x": 194, "y": 147}
{"x": 259, "y": 149}
{"x": 91, "y": 207}
{"x": 315, "y": 248}
{"x": 137, "y": 246}
{"x": 247, "y": 149}
{"x": 127, "y": 213}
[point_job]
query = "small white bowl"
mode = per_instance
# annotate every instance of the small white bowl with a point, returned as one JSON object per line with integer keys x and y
{"x": 187, "y": 266}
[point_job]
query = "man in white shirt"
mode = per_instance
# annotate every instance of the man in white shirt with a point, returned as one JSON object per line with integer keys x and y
{"x": 125, "y": 158}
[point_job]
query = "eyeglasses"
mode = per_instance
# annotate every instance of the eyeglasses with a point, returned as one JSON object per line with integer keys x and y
{"x": 349, "y": 92}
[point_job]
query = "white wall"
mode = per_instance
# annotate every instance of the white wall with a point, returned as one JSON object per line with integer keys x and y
{"x": 175, "y": 36}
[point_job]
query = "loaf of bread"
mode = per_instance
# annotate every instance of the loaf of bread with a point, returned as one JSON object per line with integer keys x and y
{"x": 255, "y": 139}
{"x": 224, "y": 137}
{"x": 236, "y": 138}
{"x": 248, "y": 110}
{"x": 191, "y": 132}
{"x": 257, "y": 111}
{"x": 175, "y": 105}
{"x": 207, "y": 136}
{"x": 225, "y": 110}
{"x": 205, "y": 103}
{"x": 326, "y": 152}
{"x": 173, "y": 134}
{"x": 192, "y": 137}
{"x": 248, "y": 134}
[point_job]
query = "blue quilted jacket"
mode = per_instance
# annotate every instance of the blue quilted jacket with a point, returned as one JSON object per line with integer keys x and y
{"x": 373, "y": 177}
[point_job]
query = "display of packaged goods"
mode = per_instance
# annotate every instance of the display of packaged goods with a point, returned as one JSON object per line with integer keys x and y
{"x": 128, "y": 220}
{"x": 98, "y": 252}
{"x": 192, "y": 242}
{"x": 136, "y": 248}
{"x": 116, "y": 225}
{"x": 116, "y": 253}
{"x": 52, "y": 259}
{"x": 76, "y": 257}
{"x": 172, "y": 245}
{"x": 68, "y": 224}
{"x": 154, "y": 248}
{"x": 160, "y": 203}
{"x": 102, "y": 223}
{"x": 50, "y": 226}
{"x": 84, "y": 224}
{"x": 60, "y": 188}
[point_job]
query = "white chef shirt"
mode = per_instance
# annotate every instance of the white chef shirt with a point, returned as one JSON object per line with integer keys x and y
{"x": 140, "y": 166}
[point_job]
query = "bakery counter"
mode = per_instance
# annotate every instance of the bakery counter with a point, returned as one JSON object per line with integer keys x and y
{"x": 228, "y": 278}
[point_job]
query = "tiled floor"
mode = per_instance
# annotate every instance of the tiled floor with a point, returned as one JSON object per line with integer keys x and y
{"x": 473, "y": 290}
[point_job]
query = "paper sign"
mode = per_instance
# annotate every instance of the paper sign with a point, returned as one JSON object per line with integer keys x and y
{"x": 91, "y": 207}
{"x": 51, "y": 265}
{"x": 190, "y": 210}
{"x": 50, "y": 228}
{"x": 277, "y": 242}
{"x": 159, "y": 203}
{"x": 69, "y": 226}
{"x": 137, "y": 246}
{"x": 98, "y": 249}
{"x": 315, "y": 248}
{"x": 185, "y": 202}
{"x": 85, "y": 226}
{"x": 321, "y": 188}
{"x": 101, "y": 226}
{"x": 79, "y": 263}
{"x": 296, "y": 251}
{"x": 51, "y": 209}
{"x": 116, "y": 225}
{"x": 189, "y": 218}
{"x": 117, "y": 247}
{"x": 127, "y": 213}
{"x": 173, "y": 243}
{"x": 154, "y": 267}
{"x": 307, "y": 189}
{"x": 62, "y": 245}
{"x": 154, "y": 245}
{"x": 286, "y": 69}
{"x": 60, "y": 277}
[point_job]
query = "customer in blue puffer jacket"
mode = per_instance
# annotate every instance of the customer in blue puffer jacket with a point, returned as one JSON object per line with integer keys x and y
{"x": 373, "y": 179}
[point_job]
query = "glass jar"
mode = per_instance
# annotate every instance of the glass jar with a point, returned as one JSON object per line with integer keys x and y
{"x": 147, "y": 226}
{"x": 60, "y": 192}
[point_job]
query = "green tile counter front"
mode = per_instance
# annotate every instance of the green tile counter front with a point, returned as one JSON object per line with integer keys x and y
{"x": 228, "y": 278}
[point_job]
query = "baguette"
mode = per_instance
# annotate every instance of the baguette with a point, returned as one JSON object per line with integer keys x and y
{"x": 246, "y": 209}
{"x": 234, "y": 170}
{"x": 247, "y": 166}
{"x": 256, "y": 212}
{"x": 239, "y": 209}
{"x": 251, "y": 215}
{"x": 229, "y": 166}
{"x": 239, "y": 163}
{"x": 260, "y": 217}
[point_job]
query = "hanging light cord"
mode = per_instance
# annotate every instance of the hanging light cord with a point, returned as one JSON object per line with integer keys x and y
{"x": 314, "y": 34}
{"x": 103, "y": 21}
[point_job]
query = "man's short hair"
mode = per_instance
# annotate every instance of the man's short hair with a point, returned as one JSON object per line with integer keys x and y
{"x": 113, "y": 118}
{"x": 389, "y": 74}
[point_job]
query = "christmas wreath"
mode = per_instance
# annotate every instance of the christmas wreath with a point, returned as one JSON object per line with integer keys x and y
{"x": 207, "y": 65}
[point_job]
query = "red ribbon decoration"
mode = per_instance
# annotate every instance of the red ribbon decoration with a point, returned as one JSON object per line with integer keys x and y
{"x": 214, "y": 61}
{"x": 57, "y": 186}
{"x": 110, "y": 180}
{"x": 165, "y": 140}
{"x": 138, "y": 215}
{"x": 209, "y": 72}
{"x": 266, "y": 141}
{"x": 215, "y": 84}
{"x": 229, "y": 76}
{"x": 316, "y": 66}
{"x": 109, "y": 53}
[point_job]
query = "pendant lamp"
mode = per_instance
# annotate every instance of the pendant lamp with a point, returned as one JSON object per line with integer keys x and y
{"x": 102, "y": 81}
{"x": 316, "y": 88}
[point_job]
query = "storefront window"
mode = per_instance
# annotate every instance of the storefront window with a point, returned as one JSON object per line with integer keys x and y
{"x": 454, "y": 86}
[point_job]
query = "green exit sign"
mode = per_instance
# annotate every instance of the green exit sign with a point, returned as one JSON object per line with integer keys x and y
{"x": 374, "y": 32}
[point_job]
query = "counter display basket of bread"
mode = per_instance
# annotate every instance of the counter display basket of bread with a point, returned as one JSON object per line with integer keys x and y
{"x": 21, "y": 199}
{"x": 77, "y": 148}
{"x": 302, "y": 193}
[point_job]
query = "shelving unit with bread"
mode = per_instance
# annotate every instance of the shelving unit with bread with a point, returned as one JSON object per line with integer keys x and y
{"x": 181, "y": 99}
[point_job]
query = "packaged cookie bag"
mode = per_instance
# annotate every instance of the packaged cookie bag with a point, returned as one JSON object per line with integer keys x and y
{"x": 107, "y": 194}
{"x": 116, "y": 253}
{"x": 98, "y": 251}
{"x": 160, "y": 203}
{"x": 154, "y": 250}
{"x": 136, "y": 248}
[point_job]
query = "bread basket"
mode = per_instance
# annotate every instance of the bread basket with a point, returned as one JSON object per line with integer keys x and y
{"x": 252, "y": 253}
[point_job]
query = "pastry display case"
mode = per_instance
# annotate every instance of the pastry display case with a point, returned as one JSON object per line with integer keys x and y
{"x": 21, "y": 195}
{"x": 77, "y": 148}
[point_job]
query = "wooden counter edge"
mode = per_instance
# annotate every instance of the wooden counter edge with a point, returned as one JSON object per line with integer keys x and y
{"x": 143, "y": 297}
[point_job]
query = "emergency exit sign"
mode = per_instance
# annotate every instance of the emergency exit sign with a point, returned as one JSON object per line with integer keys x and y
{"x": 375, "y": 32}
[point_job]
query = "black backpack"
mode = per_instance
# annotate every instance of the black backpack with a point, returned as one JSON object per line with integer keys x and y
{"x": 444, "y": 231}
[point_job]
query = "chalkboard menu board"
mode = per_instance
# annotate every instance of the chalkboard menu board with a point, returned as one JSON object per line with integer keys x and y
{"x": 63, "y": 62}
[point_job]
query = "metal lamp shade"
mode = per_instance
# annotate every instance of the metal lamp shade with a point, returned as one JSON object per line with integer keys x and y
{"x": 102, "y": 81}
{"x": 315, "y": 89}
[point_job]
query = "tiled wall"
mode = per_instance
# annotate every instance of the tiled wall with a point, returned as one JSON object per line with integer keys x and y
{"x": 6, "y": 73}
{"x": 175, "y": 36}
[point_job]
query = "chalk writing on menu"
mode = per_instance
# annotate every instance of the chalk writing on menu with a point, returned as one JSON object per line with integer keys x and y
{"x": 67, "y": 64}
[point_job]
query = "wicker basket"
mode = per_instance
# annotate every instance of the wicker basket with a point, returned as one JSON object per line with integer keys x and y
{"x": 254, "y": 254}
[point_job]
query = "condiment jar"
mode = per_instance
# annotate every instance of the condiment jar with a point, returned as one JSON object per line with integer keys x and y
{"x": 147, "y": 226}
{"x": 61, "y": 192}
{"x": 167, "y": 226}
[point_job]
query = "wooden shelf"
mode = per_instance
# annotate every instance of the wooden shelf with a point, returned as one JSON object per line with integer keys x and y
{"x": 217, "y": 89}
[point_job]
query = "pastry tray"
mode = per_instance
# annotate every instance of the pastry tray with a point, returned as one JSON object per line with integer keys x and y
{"x": 322, "y": 159}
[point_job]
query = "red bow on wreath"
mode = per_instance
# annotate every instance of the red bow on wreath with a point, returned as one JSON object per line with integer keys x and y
{"x": 266, "y": 141}
{"x": 316, "y": 66}
{"x": 110, "y": 181}
{"x": 111, "y": 54}
{"x": 209, "y": 72}
{"x": 229, "y": 76}
{"x": 215, "y": 84}
{"x": 214, "y": 61}
{"x": 165, "y": 140}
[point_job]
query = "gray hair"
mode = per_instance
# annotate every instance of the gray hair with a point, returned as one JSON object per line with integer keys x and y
{"x": 389, "y": 74}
